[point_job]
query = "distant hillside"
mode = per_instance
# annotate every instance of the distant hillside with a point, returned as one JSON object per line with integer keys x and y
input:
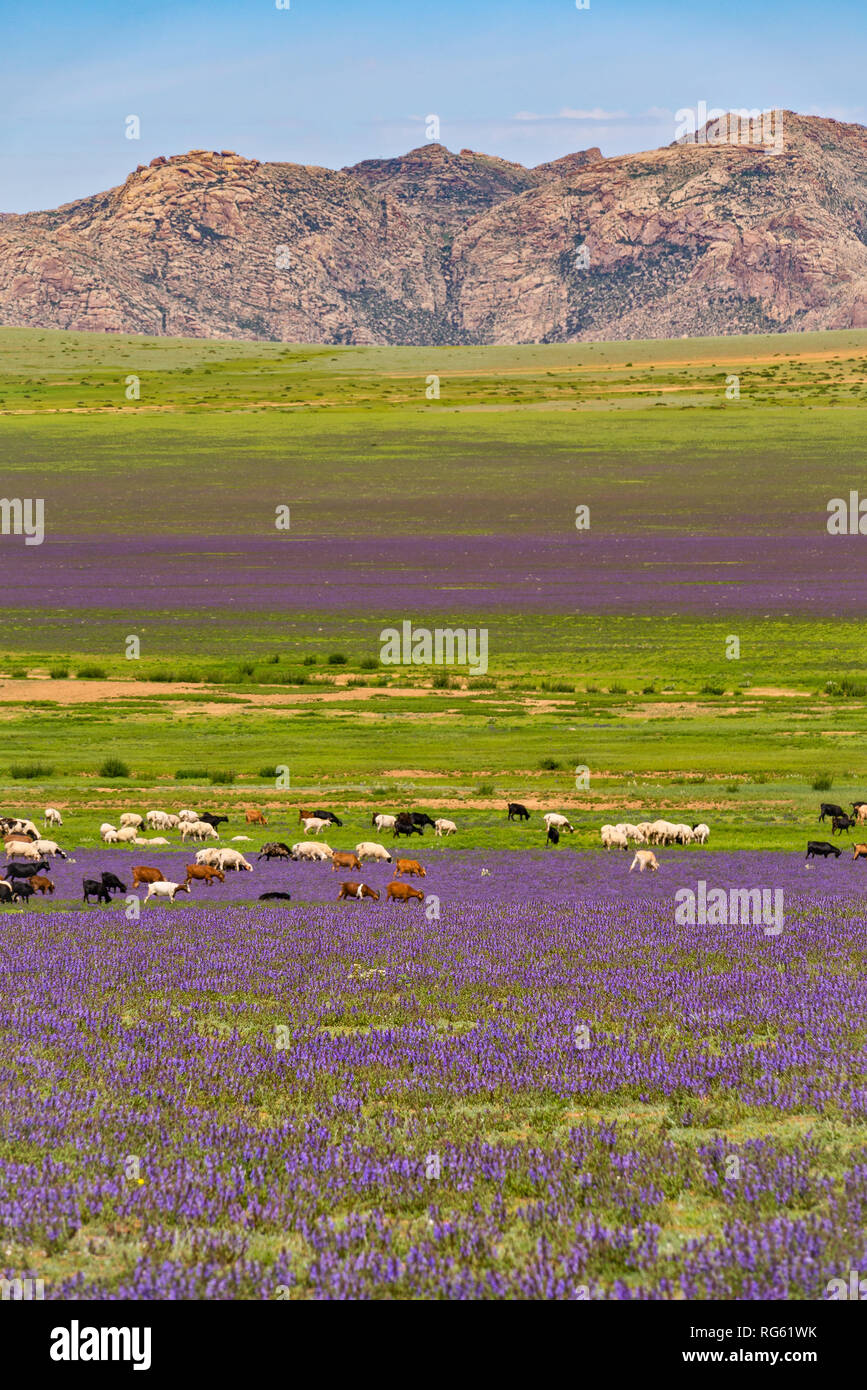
{"x": 436, "y": 247}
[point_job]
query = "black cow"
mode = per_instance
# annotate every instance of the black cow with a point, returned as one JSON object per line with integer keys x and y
{"x": 21, "y": 889}
{"x": 5, "y": 892}
{"x": 841, "y": 823}
{"x": 822, "y": 848}
{"x": 553, "y": 836}
{"x": 95, "y": 888}
{"x": 284, "y": 897}
{"x": 275, "y": 849}
{"x": 517, "y": 811}
{"x": 112, "y": 882}
{"x": 16, "y": 870}
{"x": 328, "y": 815}
{"x": 828, "y": 808}
{"x": 422, "y": 819}
{"x": 213, "y": 820}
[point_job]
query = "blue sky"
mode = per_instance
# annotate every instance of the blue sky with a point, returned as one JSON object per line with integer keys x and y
{"x": 332, "y": 82}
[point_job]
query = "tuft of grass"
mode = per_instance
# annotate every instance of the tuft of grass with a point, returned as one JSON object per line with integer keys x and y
{"x": 548, "y": 764}
{"x": 442, "y": 681}
{"x": 712, "y": 688}
{"x": 485, "y": 789}
{"x": 59, "y": 673}
{"x": 22, "y": 771}
{"x": 191, "y": 774}
{"x": 369, "y": 663}
{"x": 310, "y": 661}
{"x": 91, "y": 673}
{"x": 222, "y": 778}
{"x": 337, "y": 659}
{"x": 822, "y": 782}
{"x": 113, "y": 767}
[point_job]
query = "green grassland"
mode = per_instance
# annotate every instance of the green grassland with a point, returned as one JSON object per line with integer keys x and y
{"x": 744, "y": 764}
{"x": 641, "y": 432}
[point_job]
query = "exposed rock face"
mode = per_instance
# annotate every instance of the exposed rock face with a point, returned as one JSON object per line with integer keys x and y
{"x": 438, "y": 247}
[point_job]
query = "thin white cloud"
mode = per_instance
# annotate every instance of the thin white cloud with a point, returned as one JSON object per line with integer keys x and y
{"x": 569, "y": 113}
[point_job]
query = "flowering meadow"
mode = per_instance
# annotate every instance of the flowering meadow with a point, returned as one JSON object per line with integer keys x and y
{"x": 522, "y": 1098}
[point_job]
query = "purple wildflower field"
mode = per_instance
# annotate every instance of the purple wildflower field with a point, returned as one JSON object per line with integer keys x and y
{"x": 703, "y": 574}
{"x": 513, "y": 877}
{"x": 523, "y": 1098}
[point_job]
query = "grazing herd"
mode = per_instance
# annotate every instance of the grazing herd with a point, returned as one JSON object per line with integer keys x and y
{"x": 840, "y": 822}
{"x": 29, "y": 852}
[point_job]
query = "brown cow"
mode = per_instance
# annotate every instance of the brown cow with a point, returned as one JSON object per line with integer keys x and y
{"x": 859, "y": 852}
{"x": 255, "y": 817}
{"x": 204, "y": 871}
{"x": 42, "y": 884}
{"x": 357, "y": 890}
{"x": 409, "y": 867}
{"x": 304, "y": 815}
{"x": 345, "y": 860}
{"x": 403, "y": 893}
{"x": 145, "y": 875}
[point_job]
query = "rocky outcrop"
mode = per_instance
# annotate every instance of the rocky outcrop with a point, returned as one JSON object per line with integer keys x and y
{"x": 437, "y": 247}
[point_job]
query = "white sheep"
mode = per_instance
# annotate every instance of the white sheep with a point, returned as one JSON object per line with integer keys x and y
{"x": 311, "y": 849}
{"x": 241, "y": 839}
{"x": 645, "y": 859}
{"x": 701, "y": 833}
{"x": 209, "y": 856}
{"x": 49, "y": 848}
{"x": 23, "y": 849}
{"x": 106, "y": 828}
{"x": 559, "y": 822}
{"x": 165, "y": 889}
{"x": 314, "y": 824}
{"x": 383, "y": 822}
{"x": 613, "y": 838}
{"x": 198, "y": 830}
{"x": 369, "y": 850}
{"x": 233, "y": 859}
{"x": 53, "y": 816}
{"x": 131, "y": 818}
{"x": 444, "y": 827}
{"x": 111, "y": 836}
{"x": 188, "y": 815}
{"x": 125, "y": 836}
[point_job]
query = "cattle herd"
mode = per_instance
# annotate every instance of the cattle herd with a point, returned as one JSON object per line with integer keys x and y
{"x": 29, "y": 853}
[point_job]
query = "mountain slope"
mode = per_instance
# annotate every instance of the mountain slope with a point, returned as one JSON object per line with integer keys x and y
{"x": 437, "y": 247}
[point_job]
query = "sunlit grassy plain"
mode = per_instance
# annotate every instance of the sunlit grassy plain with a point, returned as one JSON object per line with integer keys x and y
{"x": 642, "y": 433}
